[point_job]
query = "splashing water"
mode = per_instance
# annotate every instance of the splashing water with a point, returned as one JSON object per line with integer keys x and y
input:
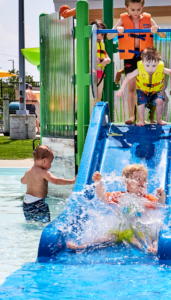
{"x": 98, "y": 219}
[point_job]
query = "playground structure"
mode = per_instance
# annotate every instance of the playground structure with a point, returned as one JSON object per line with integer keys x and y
{"x": 82, "y": 79}
{"x": 107, "y": 147}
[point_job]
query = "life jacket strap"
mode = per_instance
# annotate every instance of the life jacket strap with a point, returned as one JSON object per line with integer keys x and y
{"x": 153, "y": 85}
{"x": 102, "y": 51}
{"x": 137, "y": 36}
{"x": 138, "y": 53}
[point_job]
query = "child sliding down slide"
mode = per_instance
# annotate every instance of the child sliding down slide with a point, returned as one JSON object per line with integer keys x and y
{"x": 136, "y": 181}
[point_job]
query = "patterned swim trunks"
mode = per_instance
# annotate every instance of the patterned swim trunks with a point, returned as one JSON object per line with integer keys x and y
{"x": 37, "y": 211}
{"x": 142, "y": 98}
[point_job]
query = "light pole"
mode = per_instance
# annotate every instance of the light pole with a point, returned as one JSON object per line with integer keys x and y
{"x": 12, "y": 63}
{"x": 22, "y": 94}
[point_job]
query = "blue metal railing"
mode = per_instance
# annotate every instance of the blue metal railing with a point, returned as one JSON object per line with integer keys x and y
{"x": 105, "y": 31}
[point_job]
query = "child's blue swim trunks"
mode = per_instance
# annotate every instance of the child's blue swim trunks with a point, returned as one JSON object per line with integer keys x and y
{"x": 148, "y": 99}
{"x": 36, "y": 211}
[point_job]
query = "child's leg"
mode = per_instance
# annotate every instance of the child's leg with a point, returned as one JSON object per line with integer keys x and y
{"x": 151, "y": 114}
{"x": 99, "y": 91}
{"x": 118, "y": 75}
{"x": 131, "y": 98}
{"x": 141, "y": 110}
{"x": 108, "y": 239}
{"x": 159, "y": 110}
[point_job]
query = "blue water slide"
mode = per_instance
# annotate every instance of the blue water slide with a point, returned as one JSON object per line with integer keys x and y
{"x": 109, "y": 148}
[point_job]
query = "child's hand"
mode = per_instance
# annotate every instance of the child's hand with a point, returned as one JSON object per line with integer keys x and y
{"x": 120, "y": 29}
{"x": 161, "y": 195}
{"x": 97, "y": 176}
{"x": 154, "y": 28}
{"x": 106, "y": 61}
{"x": 120, "y": 93}
{"x": 98, "y": 61}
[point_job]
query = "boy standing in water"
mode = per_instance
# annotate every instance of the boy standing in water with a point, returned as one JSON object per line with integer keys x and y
{"x": 131, "y": 45}
{"x": 136, "y": 182}
{"x": 37, "y": 178}
{"x": 149, "y": 78}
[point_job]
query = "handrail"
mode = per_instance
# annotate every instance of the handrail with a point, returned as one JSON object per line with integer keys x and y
{"x": 105, "y": 31}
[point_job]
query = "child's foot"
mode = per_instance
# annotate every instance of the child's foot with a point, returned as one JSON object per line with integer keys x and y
{"x": 152, "y": 250}
{"x": 130, "y": 121}
{"x": 153, "y": 121}
{"x": 140, "y": 123}
{"x": 161, "y": 122}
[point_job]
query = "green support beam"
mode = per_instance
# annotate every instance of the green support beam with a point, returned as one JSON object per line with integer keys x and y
{"x": 108, "y": 83}
{"x": 82, "y": 62}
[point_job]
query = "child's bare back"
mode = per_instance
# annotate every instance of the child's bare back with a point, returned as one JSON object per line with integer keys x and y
{"x": 37, "y": 178}
{"x": 37, "y": 185}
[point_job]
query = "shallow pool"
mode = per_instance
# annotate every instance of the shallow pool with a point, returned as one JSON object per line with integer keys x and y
{"x": 19, "y": 240}
{"x": 117, "y": 272}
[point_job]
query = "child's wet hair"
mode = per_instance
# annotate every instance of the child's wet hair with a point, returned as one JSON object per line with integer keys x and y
{"x": 41, "y": 152}
{"x": 129, "y": 169}
{"x": 127, "y": 2}
{"x": 150, "y": 54}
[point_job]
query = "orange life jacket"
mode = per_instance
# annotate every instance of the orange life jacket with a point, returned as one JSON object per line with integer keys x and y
{"x": 127, "y": 40}
{"x": 114, "y": 198}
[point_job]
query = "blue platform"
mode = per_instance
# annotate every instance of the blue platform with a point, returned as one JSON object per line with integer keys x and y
{"x": 107, "y": 148}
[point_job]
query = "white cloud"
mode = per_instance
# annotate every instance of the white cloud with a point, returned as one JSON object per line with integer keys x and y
{"x": 2, "y": 1}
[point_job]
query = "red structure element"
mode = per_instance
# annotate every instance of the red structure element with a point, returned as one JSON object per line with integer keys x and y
{"x": 66, "y": 11}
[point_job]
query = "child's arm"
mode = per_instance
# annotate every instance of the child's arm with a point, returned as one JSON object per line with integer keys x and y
{"x": 161, "y": 195}
{"x": 119, "y": 28}
{"x": 155, "y": 27}
{"x": 100, "y": 191}
{"x": 126, "y": 81}
{"x": 167, "y": 71}
{"x": 24, "y": 179}
{"x": 59, "y": 181}
{"x": 106, "y": 61}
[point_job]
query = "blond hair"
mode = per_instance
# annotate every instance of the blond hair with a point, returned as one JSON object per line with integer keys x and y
{"x": 41, "y": 152}
{"x": 127, "y": 2}
{"x": 129, "y": 169}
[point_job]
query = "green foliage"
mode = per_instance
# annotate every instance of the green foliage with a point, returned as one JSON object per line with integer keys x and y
{"x": 13, "y": 80}
{"x": 16, "y": 149}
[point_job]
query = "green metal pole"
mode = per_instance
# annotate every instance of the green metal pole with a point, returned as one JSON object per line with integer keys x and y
{"x": 108, "y": 84}
{"x": 42, "y": 75}
{"x": 82, "y": 14}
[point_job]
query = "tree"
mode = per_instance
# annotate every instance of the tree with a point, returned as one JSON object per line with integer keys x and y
{"x": 15, "y": 80}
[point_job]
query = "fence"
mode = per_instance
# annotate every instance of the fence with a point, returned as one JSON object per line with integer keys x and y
{"x": 8, "y": 89}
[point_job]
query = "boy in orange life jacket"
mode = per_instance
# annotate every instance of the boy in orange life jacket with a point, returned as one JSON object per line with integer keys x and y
{"x": 131, "y": 45}
{"x": 149, "y": 83}
{"x": 102, "y": 59}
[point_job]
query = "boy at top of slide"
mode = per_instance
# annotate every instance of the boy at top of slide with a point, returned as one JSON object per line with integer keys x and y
{"x": 149, "y": 76}
{"x": 131, "y": 45}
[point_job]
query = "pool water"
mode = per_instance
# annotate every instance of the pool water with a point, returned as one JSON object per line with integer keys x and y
{"x": 19, "y": 240}
{"x": 117, "y": 272}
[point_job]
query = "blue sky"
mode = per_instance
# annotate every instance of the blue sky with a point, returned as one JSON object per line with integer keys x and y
{"x": 9, "y": 31}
